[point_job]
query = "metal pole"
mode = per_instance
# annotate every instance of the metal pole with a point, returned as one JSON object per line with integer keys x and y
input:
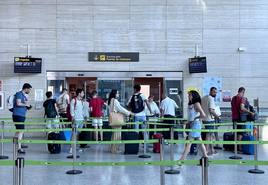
{"x": 2, "y": 156}
{"x": 256, "y": 170}
{"x": 171, "y": 153}
{"x": 162, "y": 169}
{"x": 235, "y": 145}
{"x": 74, "y": 156}
{"x": 145, "y": 135}
{"x": 20, "y": 166}
{"x": 204, "y": 165}
{"x": 15, "y": 150}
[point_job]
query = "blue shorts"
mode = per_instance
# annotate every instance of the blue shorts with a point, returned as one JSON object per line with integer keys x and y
{"x": 18, "y": 119}
{"x": 196, "y": 125}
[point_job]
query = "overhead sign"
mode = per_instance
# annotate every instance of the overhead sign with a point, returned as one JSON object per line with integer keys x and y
{"x": 198, "y": 65}
{"x": 113, "y": 56}
{"x": 27, "y": 65}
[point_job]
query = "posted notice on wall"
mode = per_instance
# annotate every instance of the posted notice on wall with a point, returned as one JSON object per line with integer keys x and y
{"x": 39, "y": 95}
{"x": 209, "y": 82}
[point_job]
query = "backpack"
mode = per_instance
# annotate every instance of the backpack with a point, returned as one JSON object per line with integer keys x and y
{"x": 136, "y": 103}
{"x": 10, "y": 102}
{"x": 50, "y": 110}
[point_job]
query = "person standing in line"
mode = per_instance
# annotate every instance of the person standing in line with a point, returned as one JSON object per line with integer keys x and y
{"x": 209, "y": 107}
{"x": 114, "y": 106}
{"x": 96, "y": 106}
{"x": 79, "y": 111}
{"x": 155, "y": 110}
{"x": 167, "y": 108}
{"x": 51, "y": 110}
{"x": 21, "y": 105}
{"x": 238, "y": 103}
{"x": 195, "y": 114}
{"x": 62, "y": 103}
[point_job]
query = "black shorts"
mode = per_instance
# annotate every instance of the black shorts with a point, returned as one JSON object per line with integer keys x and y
{"x": 18, "y": 119}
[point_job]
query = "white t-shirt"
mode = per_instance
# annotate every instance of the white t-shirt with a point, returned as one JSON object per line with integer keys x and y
{"x": 79, "y": 109}
{"x": 154, "y": 108}
{"x": 207, "y": 103}
{"x": 143, "y": 97}
{"x": 168, "y": 106}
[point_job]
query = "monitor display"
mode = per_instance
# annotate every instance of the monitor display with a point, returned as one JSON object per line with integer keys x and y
{"x": 198, "y": 65}
{"x": 27, "y": 65}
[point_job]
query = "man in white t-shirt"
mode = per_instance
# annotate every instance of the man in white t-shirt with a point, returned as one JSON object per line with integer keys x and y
{"x": 167, "y": 108}
{"x": 63, "y": 102}
{"x": 137, "y": 104}
{"x": 209, "y": 107}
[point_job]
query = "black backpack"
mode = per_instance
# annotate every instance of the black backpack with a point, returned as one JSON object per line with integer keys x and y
{"x": 136, "y": 103}
{"x": 50, "y": 110}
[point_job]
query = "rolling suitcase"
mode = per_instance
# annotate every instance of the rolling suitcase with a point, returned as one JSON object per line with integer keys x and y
{"x": 228, "y": 136}
{"x": 248, "y": 149}
{"x": 54, "y": 148}
{"x": 131, "y": 148}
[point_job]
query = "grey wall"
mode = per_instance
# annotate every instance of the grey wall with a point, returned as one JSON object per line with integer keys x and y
{"x": 163, "y": 31}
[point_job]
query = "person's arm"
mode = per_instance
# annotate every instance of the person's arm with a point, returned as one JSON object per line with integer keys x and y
{"x": 72, "y": 108}
{"x": 212, "y": 107}
{"x": 56, "y": 108}
{"x": 162, "y": 109}
{"x": 242, "y": 107}
{"x": 19, "y": 102}
{"x": 199, "y": 109}
{"x": 148, "y": 106}
{"x": 156, "y": 109}
{"x": 119, "y": 108}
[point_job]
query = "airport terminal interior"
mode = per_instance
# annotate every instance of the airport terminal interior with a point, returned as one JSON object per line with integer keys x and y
{"x": 133, "y": 92}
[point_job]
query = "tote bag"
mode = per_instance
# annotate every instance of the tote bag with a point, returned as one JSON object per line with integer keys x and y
{"x": 116, "y": 118}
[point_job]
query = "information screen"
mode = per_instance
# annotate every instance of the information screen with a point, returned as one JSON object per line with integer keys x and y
{"x": 198, "y": 65}
{"x": 27, "y": 65}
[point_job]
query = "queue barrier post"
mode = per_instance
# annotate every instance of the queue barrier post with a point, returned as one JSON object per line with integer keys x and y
{"x": 2, "y": 156}
{"x": 19, "y": 162}
{"x": 204, "y": 165}
{"x": 171, "y": 153}
{"x": 256, "y": 170}
{"x": 15, "y": 154}
{"x": 145, "y": 137}
{"x": 235, "y": 145}
{"x": 73, "y": 155}
{"x": 162, "y": 169}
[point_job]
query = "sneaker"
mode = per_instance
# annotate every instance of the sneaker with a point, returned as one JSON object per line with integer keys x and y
{"x": 80, "y": 150}
{"x": 21, "y": 151}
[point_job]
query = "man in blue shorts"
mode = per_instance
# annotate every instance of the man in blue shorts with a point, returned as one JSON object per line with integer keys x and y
{"x": 20, "y": 107}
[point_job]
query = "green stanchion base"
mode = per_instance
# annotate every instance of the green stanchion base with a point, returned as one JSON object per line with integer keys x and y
{"x": 74, "y": 172}
{"x": 235, "y": 157}
{"x": 3, "y": 157}
{"x": 71, "y": 156}
{"x": 256, "y": 171}
{"x": 144, "y": 156}
{"x": 172, "y": 171}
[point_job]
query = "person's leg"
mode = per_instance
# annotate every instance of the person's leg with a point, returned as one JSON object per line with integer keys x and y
{"x": 186, "y": 149}
{"x": 136, "y": 120}
{"x": 203, "y": 148}
{"x": 19, "y": 134}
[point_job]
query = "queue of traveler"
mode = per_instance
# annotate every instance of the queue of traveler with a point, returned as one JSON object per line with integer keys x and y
{"x": 77, "y": 110}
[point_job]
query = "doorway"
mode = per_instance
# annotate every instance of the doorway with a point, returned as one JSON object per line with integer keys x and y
{"x": 89, "y": 84}
{"x": 151, "y": 86}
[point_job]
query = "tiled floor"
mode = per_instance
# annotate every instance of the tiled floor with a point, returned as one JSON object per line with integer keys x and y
{"x": 147, "y": 175}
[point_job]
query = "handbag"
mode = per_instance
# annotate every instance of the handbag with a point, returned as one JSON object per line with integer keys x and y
{"x": 116, "y": 118}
